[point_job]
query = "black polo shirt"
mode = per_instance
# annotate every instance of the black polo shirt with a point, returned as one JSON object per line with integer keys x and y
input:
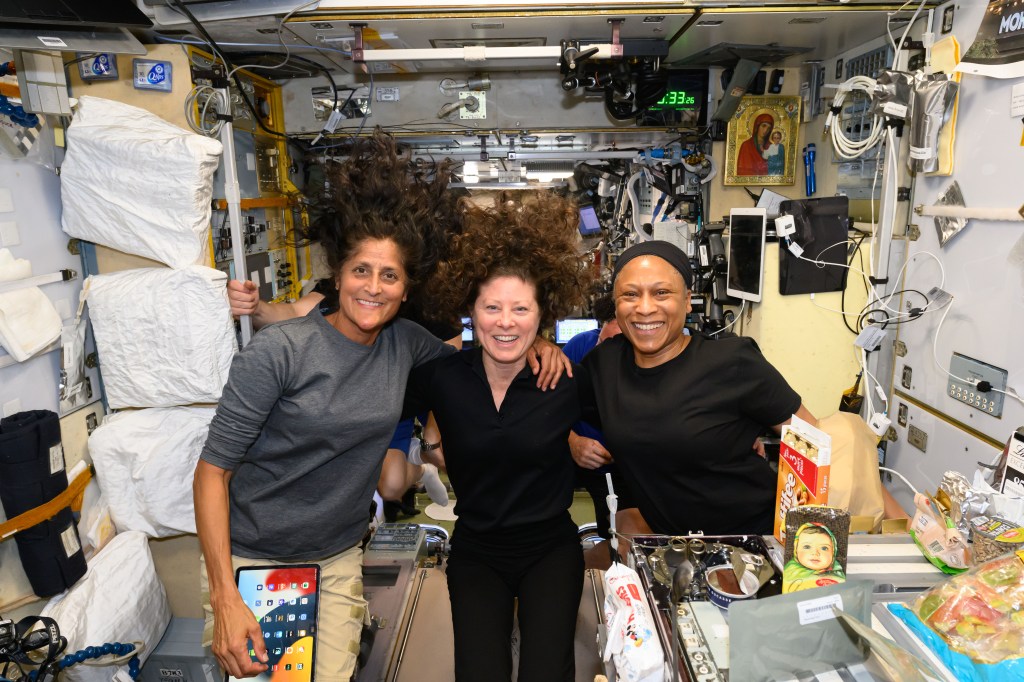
{"x": 510, "y": 467}
{"x": 682, "y": 432}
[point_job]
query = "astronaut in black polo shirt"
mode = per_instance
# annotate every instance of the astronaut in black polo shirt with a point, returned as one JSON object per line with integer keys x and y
{"x": 680, "y": 412}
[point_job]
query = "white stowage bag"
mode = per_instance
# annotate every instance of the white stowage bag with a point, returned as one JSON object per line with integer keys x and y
{"x": 144, "y": 462}
{"x": 136, "y": 183}
{"x": 633, "y": 643}
{"x": 165, "y": 337}
{"x": 120, "y": 599}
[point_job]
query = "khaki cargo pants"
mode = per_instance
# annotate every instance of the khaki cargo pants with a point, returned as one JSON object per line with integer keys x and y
{"x": 342, "y": 611}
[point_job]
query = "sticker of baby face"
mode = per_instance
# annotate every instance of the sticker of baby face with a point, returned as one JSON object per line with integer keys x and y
{"x": 814, "y": 549}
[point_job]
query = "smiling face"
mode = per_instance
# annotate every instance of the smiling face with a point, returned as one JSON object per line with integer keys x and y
{"x": 814, "y": 549}
{"x": 506, "y": 318}
{"x": 651, "y": 304}
{"x": 372, "y": 284}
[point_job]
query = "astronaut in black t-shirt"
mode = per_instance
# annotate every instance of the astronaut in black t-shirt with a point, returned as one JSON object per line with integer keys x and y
{"x": 680, "y": 412}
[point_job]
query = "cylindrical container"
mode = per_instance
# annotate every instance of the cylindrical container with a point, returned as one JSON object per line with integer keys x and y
{"x": 993, "y": 536}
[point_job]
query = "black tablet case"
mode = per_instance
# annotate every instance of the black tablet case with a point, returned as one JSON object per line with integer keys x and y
{"x": 820, "y": 223}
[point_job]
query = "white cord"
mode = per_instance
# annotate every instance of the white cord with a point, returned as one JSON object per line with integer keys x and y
{"x": 846, "y": 147}
{"x": 867, "y": 384}
{"x": 898, "y": 47}
{"x": 736, "y": 319}
{"x": 935, "y": 347}
{"x": 1010, "y": 391}
{"x": 220, "y": 105}
{"x": 901, "y": 477}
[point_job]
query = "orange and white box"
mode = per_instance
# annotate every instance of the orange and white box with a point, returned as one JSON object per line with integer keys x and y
{"x": 805, "y": 457}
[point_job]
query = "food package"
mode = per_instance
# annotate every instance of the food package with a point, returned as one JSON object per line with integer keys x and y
{"x": 993, "y": 536}
{"x": 805, "y": 456}
{"x": 937, "y": 537}
{"x": 633, "y": 643}
{"x": 980, "y": 613}
{"x": 816, "y": 546}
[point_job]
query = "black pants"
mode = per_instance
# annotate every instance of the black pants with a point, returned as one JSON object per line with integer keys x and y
{"x": 483, "y": 587}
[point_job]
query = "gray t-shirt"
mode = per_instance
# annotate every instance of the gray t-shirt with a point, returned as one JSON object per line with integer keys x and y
{"x": 304, "y": 421}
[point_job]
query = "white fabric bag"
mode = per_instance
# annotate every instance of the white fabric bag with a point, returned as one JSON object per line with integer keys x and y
{"x": 136, "y": 183}
{"x": 165, "y": 337}
{"x": 145, "y": 460}
{"x": 28, "y": 321}
{"x": 120, "y": 599}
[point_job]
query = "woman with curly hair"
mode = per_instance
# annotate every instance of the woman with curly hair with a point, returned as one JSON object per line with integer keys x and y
{"x": 514, "y": 270}
{"x": 295, "y": 448}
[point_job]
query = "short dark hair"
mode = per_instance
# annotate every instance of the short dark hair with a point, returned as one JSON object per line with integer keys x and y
{"x": 603, "y": 308}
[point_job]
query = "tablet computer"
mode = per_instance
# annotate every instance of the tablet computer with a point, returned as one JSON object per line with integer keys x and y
{"x": 745, "y": 272}
{"x": 285, "y": 601}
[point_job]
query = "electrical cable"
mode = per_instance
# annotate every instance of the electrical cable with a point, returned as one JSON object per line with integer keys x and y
{"x": 898, "y": 47}
{"x": 842, "y": 297}
{"x": 280, "y": 39}
{"x": 901, "y": 477}
{"x": 315, "y": 64}
{"x": 736, "y": 319}
{"x": 847, "y": 147}
{"x": 227, "y": 63}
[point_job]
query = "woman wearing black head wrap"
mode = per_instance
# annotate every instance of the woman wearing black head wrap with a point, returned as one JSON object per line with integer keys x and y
{"x": 680, "y": 411}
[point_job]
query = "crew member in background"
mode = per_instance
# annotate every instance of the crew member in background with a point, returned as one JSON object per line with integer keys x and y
{"x": 587, "y": 444}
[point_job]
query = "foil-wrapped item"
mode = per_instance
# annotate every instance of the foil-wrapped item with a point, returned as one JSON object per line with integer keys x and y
{"x": 966, "y": 501}
{"x": 892, "y": 94}
{"x": 931, "y": 106}
{"x": 948, "y": 228}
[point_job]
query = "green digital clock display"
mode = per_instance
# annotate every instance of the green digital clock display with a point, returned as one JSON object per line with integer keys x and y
{"x": 676, "y": 99}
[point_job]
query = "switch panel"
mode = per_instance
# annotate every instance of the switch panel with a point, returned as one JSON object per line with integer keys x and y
{"x": 990, "y": 402}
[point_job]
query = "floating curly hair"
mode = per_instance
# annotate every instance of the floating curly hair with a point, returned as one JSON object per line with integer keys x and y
{"x": 381, "y": 192}
{"x": 535, "y": 241}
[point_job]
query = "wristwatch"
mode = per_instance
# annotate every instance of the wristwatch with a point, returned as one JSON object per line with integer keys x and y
{"x": 430, "y": 447}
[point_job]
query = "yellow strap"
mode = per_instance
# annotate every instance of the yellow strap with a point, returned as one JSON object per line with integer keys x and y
{"x": 70, "y": 497}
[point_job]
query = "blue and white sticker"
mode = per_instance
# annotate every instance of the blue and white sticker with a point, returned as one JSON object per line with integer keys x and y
{"x": 151, "y": 74}
{"x": 94, "y": 67}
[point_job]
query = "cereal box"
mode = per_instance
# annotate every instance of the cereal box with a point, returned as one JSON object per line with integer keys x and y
{"x": 805, "y": 456}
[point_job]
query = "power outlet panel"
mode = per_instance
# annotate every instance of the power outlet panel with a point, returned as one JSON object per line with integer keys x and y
{"x": 991, "y": 402}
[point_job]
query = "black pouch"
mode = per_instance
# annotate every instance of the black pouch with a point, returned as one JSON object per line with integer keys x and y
{"x": 32, "y": 473}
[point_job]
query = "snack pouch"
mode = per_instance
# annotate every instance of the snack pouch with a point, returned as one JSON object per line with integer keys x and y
{"x": 937, "y": 537}
{"x": 633, "y": 643}
{"x": 981, "y": 612}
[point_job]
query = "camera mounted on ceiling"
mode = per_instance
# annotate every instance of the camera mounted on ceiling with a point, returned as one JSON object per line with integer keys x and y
{"x": 632, "y": 79}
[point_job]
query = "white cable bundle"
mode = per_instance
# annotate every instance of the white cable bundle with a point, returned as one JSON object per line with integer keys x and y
{"x": 844, "y": 146}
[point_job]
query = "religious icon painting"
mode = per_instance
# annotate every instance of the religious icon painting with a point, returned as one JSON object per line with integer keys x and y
{"x": 761, "y": 145}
